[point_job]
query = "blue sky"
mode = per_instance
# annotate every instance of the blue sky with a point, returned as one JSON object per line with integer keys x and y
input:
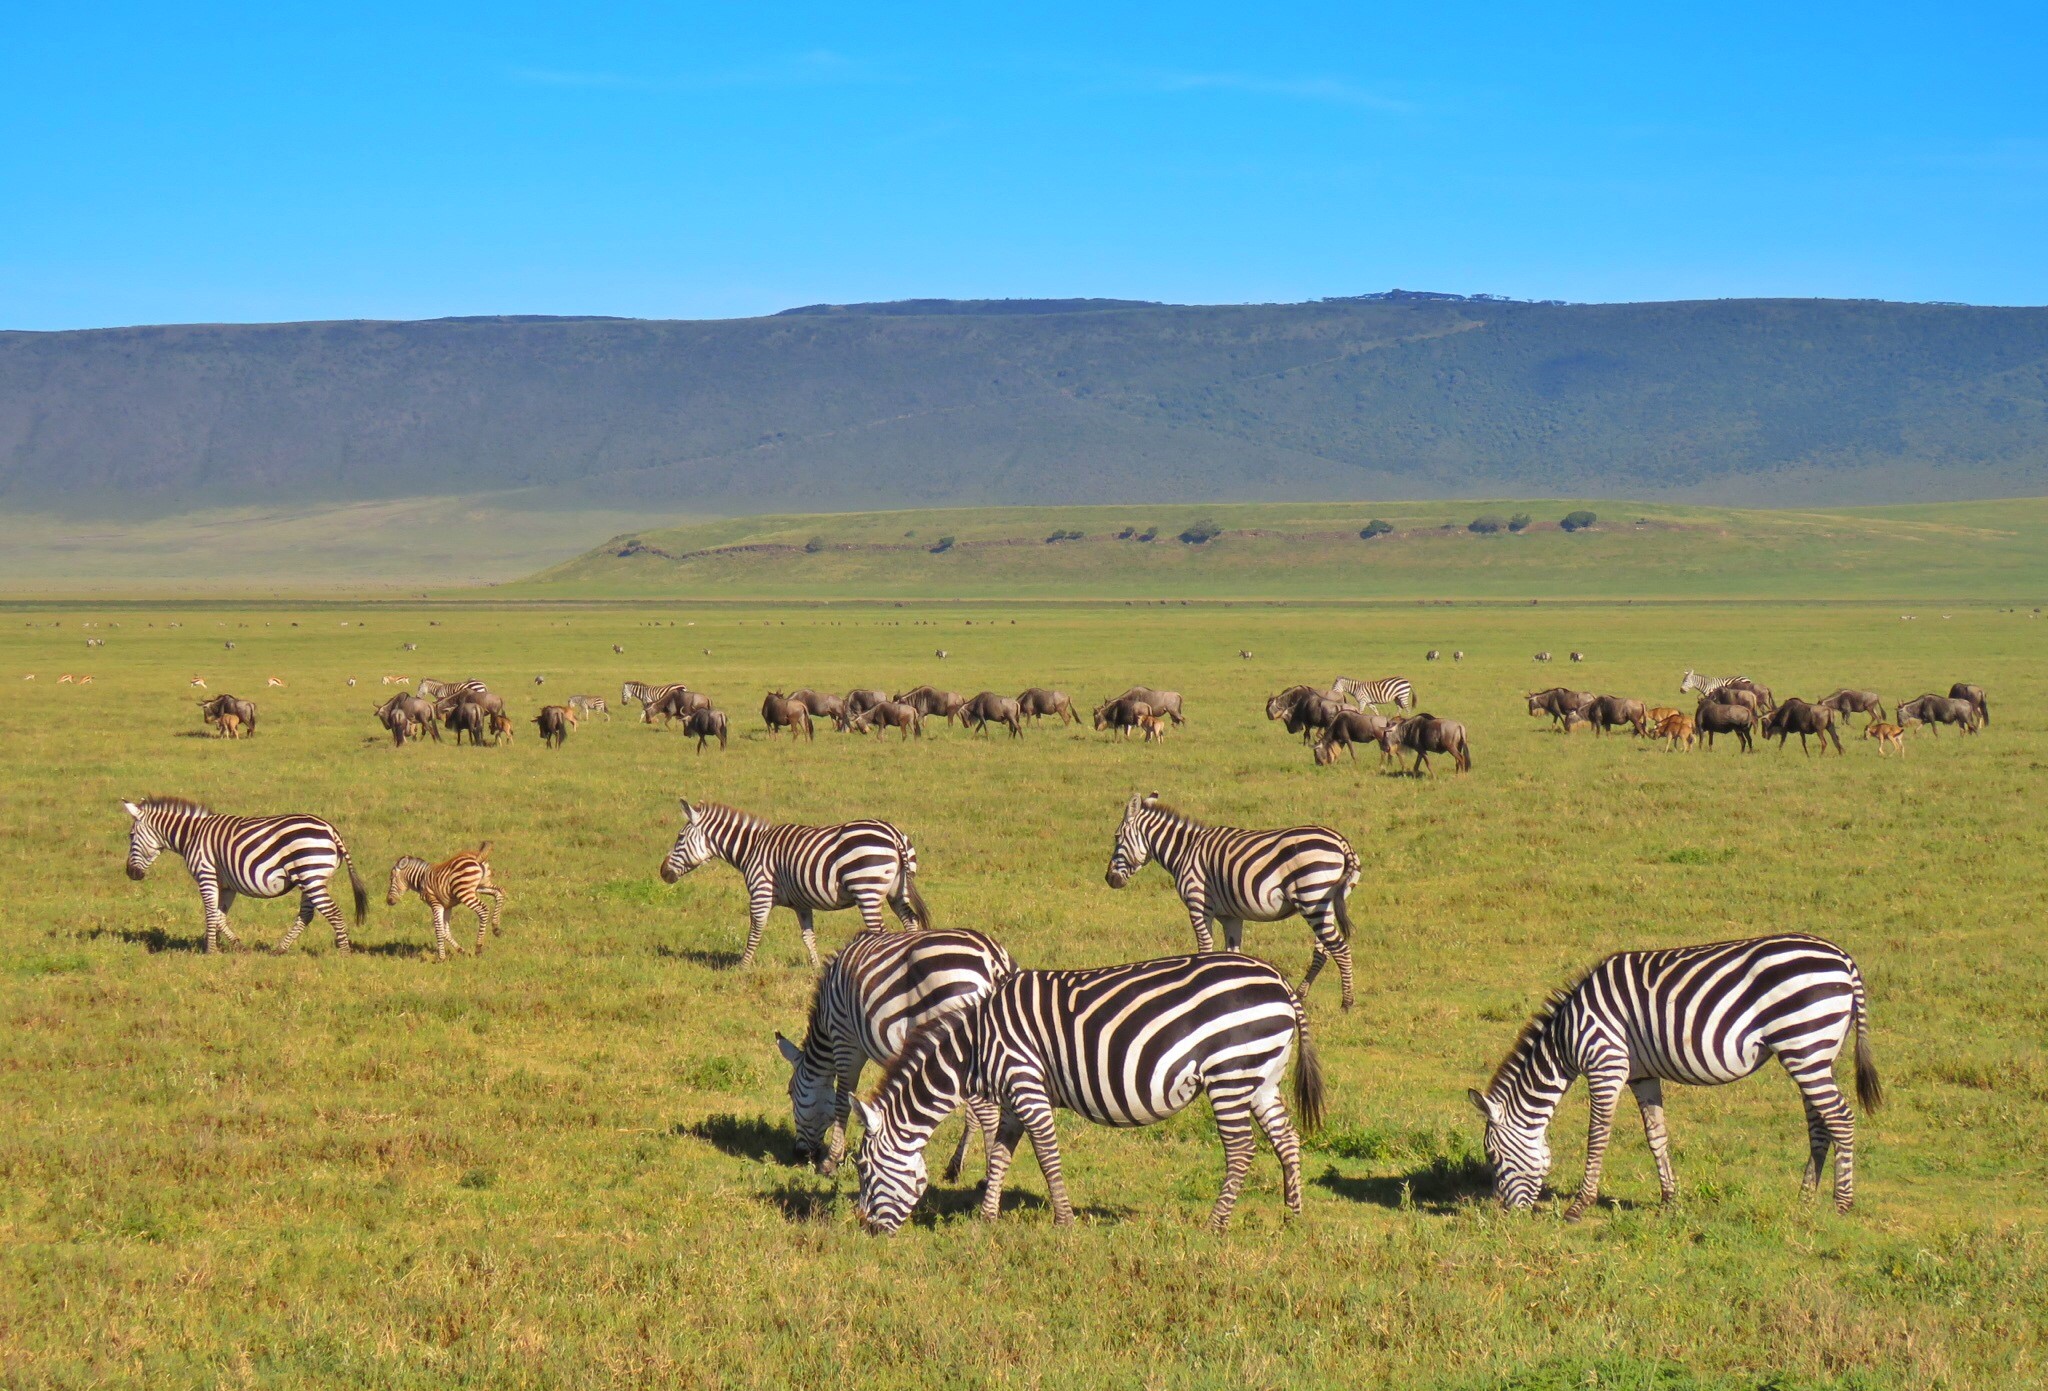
{"x": 163, "y": 164}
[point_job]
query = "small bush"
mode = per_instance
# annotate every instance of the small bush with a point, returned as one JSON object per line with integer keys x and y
{"x": 1487, "y": 525}
{"x": 1127, "y": 533}
{"x": 1201, "y": 533}
{"x": 1373, "y": 528}
{"x": 1578, "y": 521}
{"x": 942, "y": 545}
{"x": 1059, "y": 536}
{"x": 814, "y": 545}
{"x": 1520, "y": 521}
{"x": 1150, "y": 533}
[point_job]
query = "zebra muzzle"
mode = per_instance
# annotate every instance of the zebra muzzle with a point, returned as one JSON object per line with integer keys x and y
{"x": 135, "y": 872}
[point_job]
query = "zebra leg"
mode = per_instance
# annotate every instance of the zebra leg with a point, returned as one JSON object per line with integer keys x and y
{"x": 286, "y": 942}
{"x": 1002, "y": 1148}
{"x": 1233, "y": 934}
{"x": 483, "y": 921}
{"x": 213, "y": 911}
{"x": 497, "y": 897}
{"x": 1234, "y": 1125}
{"x": 1650, "y": 1101}
{"x": 1605, "y": 1086}
{"x": 1271, "y": 1114}
{"x": 847, "y": 1083}
{"x": 803, "y": 922}
{"x": 1036, "y": 1115}
{"x": 227, "y": 901}
{"x": 442, "y": 936}
{"x": 760, "y": 899}
{"x": 1198, "y": 913}
{"x": 1330, "y": 944}
{"x": 979, "y": 1115}
{"x": 1824, "y": 1099}
{"x": 319, "y": 899}
{"x": 1819, "y": 1142}
{"x": 870, "y": 905}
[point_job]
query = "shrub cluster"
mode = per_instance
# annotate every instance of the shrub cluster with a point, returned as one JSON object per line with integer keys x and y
{"x": 1201, "y": 533}
{"x": 1058, "y": 536}
{"x": 1373, "y": 528}
{"x": 944, "y": 544}
{"x": 1487, "y": 525}
{"x": 1578, "y": 521}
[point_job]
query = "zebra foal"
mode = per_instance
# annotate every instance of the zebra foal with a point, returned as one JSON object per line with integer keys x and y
{"x": 1700, "y": 1015}
{"x": 872, "y": 994}
{"x": 462, "y": 880}
{"x": 1231, "y": 876}
{"x": 260, "y": 856}
{"x": 1122, "y": 1045}
{"x": 858, "y": 864}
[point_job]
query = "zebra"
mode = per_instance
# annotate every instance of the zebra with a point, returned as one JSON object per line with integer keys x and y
{"x": 1387, "y": 689}
{"x": 1124, "y": 1046}
{"x": 857, "y": 864}
{"x": 1701, "y": 1015}
{"x": 588, "y": 705}
{"x": 1459, "y": 655}
{"x": 647, "y": 695}
{"x": 260, "y": 856}
{"x": 461, "y": 880}
{"x": 1707, "y": 686}
{"x": 447, "y": 692}
{"x": 1431, "y": 655}
{"x": 871, "y": 995}
{"x": 1231, "y": 875}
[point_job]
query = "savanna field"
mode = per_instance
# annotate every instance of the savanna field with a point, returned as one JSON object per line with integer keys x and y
{"x": 565, "y": 1163}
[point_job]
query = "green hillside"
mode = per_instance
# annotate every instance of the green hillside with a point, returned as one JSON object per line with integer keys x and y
{"x": 1986, "y": 550}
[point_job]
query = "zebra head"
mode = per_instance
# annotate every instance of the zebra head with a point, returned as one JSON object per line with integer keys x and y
{"x": 692, "y": 847}
{"x": 1692, "y": 681}
{"x": 892, "y": 1171}
{"x": 404, "y": 875}
{"x": 812, "y": 1092}
{"x": 1519, "y": 1151}
{"x": 1132, "y": 849}
{"x": 145, "y": 840}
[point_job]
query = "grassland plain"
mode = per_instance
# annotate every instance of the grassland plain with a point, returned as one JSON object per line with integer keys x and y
{"x": 561, "y": 1165}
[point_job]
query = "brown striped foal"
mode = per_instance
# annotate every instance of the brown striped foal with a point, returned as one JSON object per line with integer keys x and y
{"x": 464, "y": 880}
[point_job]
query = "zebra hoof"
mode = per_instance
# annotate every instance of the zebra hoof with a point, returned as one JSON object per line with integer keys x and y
{"x": 1576, "y": 1212}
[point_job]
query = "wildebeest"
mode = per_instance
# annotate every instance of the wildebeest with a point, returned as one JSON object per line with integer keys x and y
{"x": 988, "y": 707}
{"x": 824, "y": 705}
{"x": 1607, "y": 711}
{"x": 1165, "y": 703}
{"x": 676, "y": 703}
{"x": 488, "y": 701}
{"x": 864, "y": 699}
{"x": 929, "y": 701}
{"x": 469, "y": 717}
{"x": 407, "y": 716}
{"x": 706, "y": 723}
{"x": 891, "y": 714}
{"x": 1744, "y": 697}
{"x": 227, "y": 725}
{"x": 1846, "y": 701}
{"x": 555, "y": 722}
{"x": 1561, "y": 703}
{"x": 1886, "y": 734}
{"x": 1306, "y": 710}
{"x": 1677, "y": 727}
{"x": 1349, "y": 729}
{"x": 1154, "y": 728}
{"x": 1932, "y": 710}
{"x": 1963, "y": 690}
{"x": 1038, "y": 701}
{"x": 501, "y": 729}
{"x": 779, "y": 712}
{"x": 1719, "y": 717}
{"x": 1122, "y": 715}
{"x": 1424, "y": 735}
{"x": 1799, "y": 717}
{"x": 213, "y": 708}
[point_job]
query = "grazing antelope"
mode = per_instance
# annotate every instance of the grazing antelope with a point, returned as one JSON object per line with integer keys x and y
{"x": 274, "y": 681}
{"x": 1542, "y": 656}
{"x": 1894, "y": 735}
{"x": 941, "y": 654}
{"x": 351, "y": 683}
{"x": 30, "y": 677}
{"x": 1245, "y": 653}
{"x": 398, "y": 680}
{"x": 412, "y": 647}
{"x": 619, "y": 650}
{"x": 198, "y": 681}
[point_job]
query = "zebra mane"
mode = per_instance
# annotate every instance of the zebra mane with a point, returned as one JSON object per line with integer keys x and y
{"x": 921, "y": 1042}
{"x": 173, "y": 804}
{"x": 1533, "y": 1030}
{"x": 743, "y": 818}
{"x": 1171, "y": 813}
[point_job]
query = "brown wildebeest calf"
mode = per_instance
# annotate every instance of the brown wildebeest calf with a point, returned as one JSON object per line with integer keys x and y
{"x": 501, "y": 729}
{"x": 1154, "y": 726}
{"x": 1719, "y": 717}
{"x": 1040, "y": 701}
{"x": 891, "y": 714}
{"x": 1846, "y": 702}
{"x": 1347, "y": 731}
{"x": 779, "y": 712}
{"x": 988, "y": 707}
{"x": 1165, "y": 703}
{"x": 555, "y": 722}
{"x": 1934, "y": 711}
{"x": 706, "y": 723}
{"x": 1122, "y": 715}
{"x": 1886, "y": 734}
{"x": 1607, "y": 711}
{"x": 1424, "y": 735}
{"x": 467, "y": 717}
{"x": 862, "y": 699}
{"x": 244, "y": 710}
{"x": 1677, "y": 727}
{"x": 824, "y": 706}
{"x": 227, "y": 725}
{"x": 930, "y": 702}
{"x": 1964, "y": 690}
{"x": 1657, "y": 714}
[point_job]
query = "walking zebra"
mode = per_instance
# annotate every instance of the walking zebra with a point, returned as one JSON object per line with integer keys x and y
{"x": 1387, "y": 689}
{"x": 1122, "y": 1045}
{"x": 1699, "y": 1015}
{"x": 806, "y": 868}
{"x": 463, "y": 879}
{"x": 587, "y": 705}
{"x": 260, "y": 856}
{"x": 448, "y": 692}
{"x": 1230, "y": 875}
{"x": 1710, "y": 687}
{"x": 647, "y": 696}
{"x": 872, "y": 994}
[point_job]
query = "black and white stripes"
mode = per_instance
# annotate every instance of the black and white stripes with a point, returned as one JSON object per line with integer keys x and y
{"x": 1387, "y": 690}
{"x": 1699, "y": 1015}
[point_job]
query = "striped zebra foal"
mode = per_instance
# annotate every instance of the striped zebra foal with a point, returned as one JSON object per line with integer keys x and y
{"x": 858, "y": 864}
{"x": 870, "y": 997}
{"x": 1122, "y": 1045}
{"x": 1698, "y": 1015}
{"x": 462, "y": 880}
{"x": 1231, "y": 876}
{"x": 259, "y": 856}
{"x": 1394, "y": 690}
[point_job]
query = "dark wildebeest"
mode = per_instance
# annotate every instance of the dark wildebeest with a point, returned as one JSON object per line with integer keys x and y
{"x": 1746, "y": 698}
{"x": 406, "y": 714}
{"x": 1349, "y": 729}
{"x": 1424, "y": 735}
{"x": 1121, "y": 715}
{"x": 1846, "y": 702}
{"x": 864, "y": 699}
{"x": 678, "y": 704}
{"x": 555, "y": 722}
{"x": 243, "y": 710}
{"x": 779, "y": 712}
{"x": 705, "y": 723}
{"x": 468, "y": 717}
{"x": 1305, "y": 709}
{"x": 1038, "y": 702}
{"x": 891, "y": 714}
{"x": 989, "y": 707}
{"x": 1165, "y": 703}
{"x": 824, "y": 706}
{"x": 490, "y": 702}
{"x": 1719, "y": 717}
{"x": 1963, "y": 690}
{"x": 1932, "y": 710}
{"x": 1757, "y": 688}
{"x": 930, "y": 702}
{"x": 1798, "y": 717}
{"x": 1607, "y": 711}
{"x": 1559, "y": 702}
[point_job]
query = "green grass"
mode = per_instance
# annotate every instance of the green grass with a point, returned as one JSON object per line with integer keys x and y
{"x": 560, "y": 1164}
{"x": 1986, "y": 550}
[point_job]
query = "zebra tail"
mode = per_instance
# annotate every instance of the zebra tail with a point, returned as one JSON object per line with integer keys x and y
{"x": 1869, "y": 1090}
{"x": 1308, "y": 1075}
{"x": 919, "y": 913}
{"x": 355, "y": 882}
{"x": 1344, "y": 899}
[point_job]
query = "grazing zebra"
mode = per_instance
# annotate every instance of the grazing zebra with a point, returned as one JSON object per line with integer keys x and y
{"x": 1230, "y": 875}
{"x": 587, "y": 705}
{"x": 1431, "y": 655}
{"x": 1698, "y": 1015}
{"x": 872, "y": 994}
{"x": 1387, "y": 689}
{"x": 1578, "y": 656}
{"x": 260, "y": 856}
{"x": 461, "y": 880}
{"x": 449, "y": 692}
{"x": 647, "y": 696}
{"x": 1542, "y": 656}
{"x": 1122, "y": 1045}
{"x": 1708, "y": 686}
{"x": 857, "y": 864}
{"x": 1459, "y": 655}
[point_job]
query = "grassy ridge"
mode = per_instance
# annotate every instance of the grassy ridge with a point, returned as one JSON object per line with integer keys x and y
{"x": 560, "y": 1165}
{"x": 1302, "y": 550}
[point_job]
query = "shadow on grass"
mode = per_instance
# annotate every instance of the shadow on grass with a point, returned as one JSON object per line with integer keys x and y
{"x": 743, "y": 1137}
{"x": 1440, "y": 1186}
{"x": 696, "y": 956}
{"x": 153, "y": 939}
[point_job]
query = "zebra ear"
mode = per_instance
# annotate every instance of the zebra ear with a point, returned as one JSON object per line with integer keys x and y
{"x": 1481, "y": 1104}
{"x": 1150, "y": 799}
{"x": 791, "y": 1054}
{"x": 870, "y": 1115}
{"x": 689, "y": 812}
{"x": 132, "y": 810}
